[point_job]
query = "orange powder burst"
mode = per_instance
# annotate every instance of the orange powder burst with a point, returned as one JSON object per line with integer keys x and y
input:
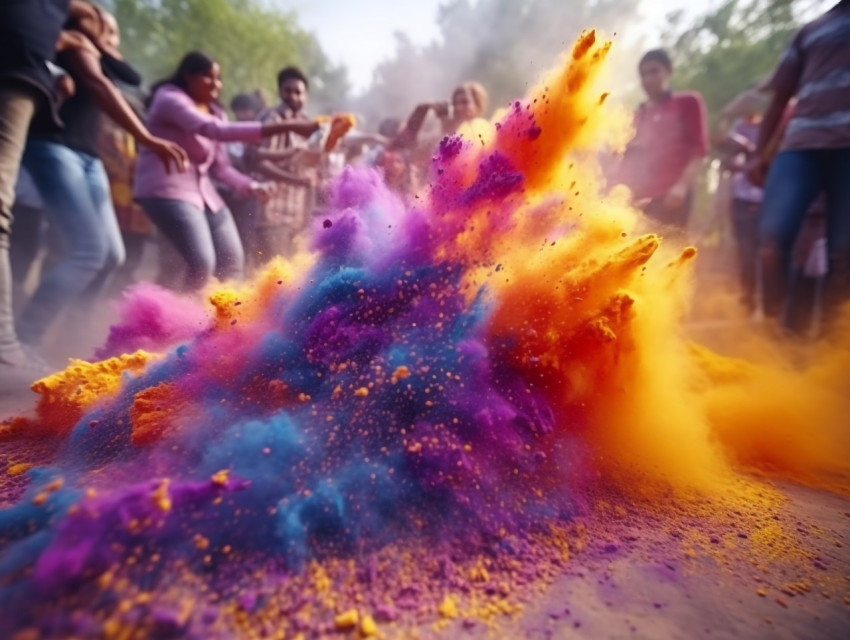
{"x": 68, "y": 394}
{"x": 597, "y": 313}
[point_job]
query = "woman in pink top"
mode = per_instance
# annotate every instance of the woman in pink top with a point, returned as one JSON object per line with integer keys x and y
{"x": 186, "y": 207}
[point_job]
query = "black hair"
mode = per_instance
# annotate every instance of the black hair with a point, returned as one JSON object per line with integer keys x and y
{"x": 292, "y": 73}
{"x": 193, "y": 63}
{"x": 243, "y": 101}
{"x": 657, "y": 55}
{"x": 389, "y": 127}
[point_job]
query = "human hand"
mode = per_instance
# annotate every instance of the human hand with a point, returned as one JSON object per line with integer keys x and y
{"x": 756, "y": 171}
{"x": 88, "y": 17}
{"x": 65, "y": 87}
{"x": 442, "y": 110}
{"x": 308, "y": 157}
{"x": 263, "y": 191}
{"x": 70, "y": 40}
{"x": 169, "y": 152}
{"x": 340, "y": 125}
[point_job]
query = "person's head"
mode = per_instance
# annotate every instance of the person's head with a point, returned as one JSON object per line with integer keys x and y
{"x": 244, "y": 107}
{"x": 293, "y": 86}
{"x": 199, "y": 76}
{"x": 469, "y": 101}
{"x": 655, "y": 70}
{"x": 395, "y": 168}
{"x": 101, "y": 27}
{"x": 389, "y": 127}
{"x": 110, "y": 37}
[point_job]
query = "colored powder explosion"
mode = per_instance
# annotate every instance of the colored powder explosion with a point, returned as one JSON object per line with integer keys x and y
{"x": 430, "y": 386}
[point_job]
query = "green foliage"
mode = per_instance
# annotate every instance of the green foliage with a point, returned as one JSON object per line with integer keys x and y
{"x": 733, "y": 46}
{"x": 250, "y": 40}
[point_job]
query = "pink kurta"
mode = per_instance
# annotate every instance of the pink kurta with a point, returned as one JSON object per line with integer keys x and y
{"x": 174, "y": 116}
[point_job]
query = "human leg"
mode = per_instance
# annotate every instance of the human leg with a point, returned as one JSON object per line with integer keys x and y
{"x": 187, "y": 230}
{"x": 229, "y": 254}
{"x": 835, "y": 168}
{"x": 792, "y": 184}
{"x": 745, "y": 223}
{"x": 17, "y": 108}
{"x": 25, "y": 247}
{"x": 83, "y": 322}
{"x": 74, "y": 203}
{"x": 116, "y": 253}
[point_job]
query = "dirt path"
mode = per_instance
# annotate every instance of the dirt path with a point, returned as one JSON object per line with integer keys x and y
{"x": 652, "y": 577}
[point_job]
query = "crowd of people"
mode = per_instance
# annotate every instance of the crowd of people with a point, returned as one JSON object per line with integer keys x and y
{"x": 784, "y": 151}
{"x": 223, "y": 196}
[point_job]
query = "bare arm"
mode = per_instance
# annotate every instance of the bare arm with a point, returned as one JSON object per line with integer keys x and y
{"x": 770, "y": 124}
{"x": 412, "y": 127}
{"x": 87, "y": 16}
{"x": 69, "y": 40}
{"x": 80, "y": 9}
{"x": 273, "y": 172}
{"x": 85, "y": 66}
{"x": 276, "y": 155}
{"x": 303, "y": 128}
{"x": 770, "y": 134}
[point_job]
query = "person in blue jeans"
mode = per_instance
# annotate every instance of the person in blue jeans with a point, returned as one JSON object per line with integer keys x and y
{"x": 187, "y": 209}
{"x": 72, "y": 182}
{"x": 31, "y": 35}
{"x": 813, "y": 156}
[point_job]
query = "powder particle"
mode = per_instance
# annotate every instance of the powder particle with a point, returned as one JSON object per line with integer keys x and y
{"x": 346, "y": 620}
{"x": 368, "y": 628}
{"x": 18, "y": 468}
{"x": 448, "y": 608}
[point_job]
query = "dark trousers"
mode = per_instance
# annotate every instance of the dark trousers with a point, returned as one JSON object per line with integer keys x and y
{"x": 794, "y": 181}
{"x": 17, "y": 107}
{"x": 745, "y": 226}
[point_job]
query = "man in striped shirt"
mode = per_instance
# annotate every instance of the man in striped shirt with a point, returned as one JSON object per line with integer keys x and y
{"x": 813, "y": 154}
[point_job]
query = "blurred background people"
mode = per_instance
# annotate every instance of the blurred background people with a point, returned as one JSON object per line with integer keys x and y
{"x": 662, "y": 162}
{"x": 813, "y": 156}
{"x": 463, "y": 115}
{"x": 292, "y": 165}
{"x": 30, "y": 36}
{"x": 186, "y": 208}
{"x": 245, "y": 208}
{"x": 119, "y": 152}
{"x": 736, "y": 140}
{"x": 67, "y": 170}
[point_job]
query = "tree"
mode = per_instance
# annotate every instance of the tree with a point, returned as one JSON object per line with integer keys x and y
{"x": 734, "y": 46}
{"x": 250, "y": 40}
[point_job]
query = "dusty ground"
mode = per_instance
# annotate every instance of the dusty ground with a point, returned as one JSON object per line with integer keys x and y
{"x": 645, "y": 587}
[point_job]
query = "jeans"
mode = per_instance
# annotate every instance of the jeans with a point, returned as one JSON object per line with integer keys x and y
{"x": 18, "y": 104}
{"x": 77, "y": 200}
{"x": 207, "y": 242}
{"x": 794, "y": 181}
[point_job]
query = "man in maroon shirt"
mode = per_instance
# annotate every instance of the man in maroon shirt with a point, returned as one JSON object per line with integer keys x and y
{"x": 671, "y": 139}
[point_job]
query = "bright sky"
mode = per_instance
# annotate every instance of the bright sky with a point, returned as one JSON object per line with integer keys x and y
{"x": 359, "y": 34}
